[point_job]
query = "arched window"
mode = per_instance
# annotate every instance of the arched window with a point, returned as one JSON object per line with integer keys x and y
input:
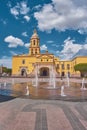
{"x": 34, "y": 42}
{"x": 23, "y": 61}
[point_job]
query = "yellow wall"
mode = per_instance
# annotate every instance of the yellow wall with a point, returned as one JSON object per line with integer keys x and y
{"x": 17, "y": 64}
{"x": 77, "y": 60}
{"x": 65, "y": 70}
{"x": 30, "y": 60}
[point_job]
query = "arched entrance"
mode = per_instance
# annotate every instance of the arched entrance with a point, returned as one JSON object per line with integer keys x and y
{"x": 44, "y": 71}
{"x": 23, "y": 72}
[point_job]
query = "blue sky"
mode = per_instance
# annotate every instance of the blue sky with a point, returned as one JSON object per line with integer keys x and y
{"x": 61, "y": 26}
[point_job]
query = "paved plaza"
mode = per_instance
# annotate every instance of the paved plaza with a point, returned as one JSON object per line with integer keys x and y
{"x": 29, "y": 114}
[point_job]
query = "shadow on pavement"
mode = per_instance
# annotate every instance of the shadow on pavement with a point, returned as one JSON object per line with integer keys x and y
{"x": 4, "y": 98}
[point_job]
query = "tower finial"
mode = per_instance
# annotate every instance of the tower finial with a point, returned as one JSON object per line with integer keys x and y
{"x": 35, "y": 31}
{"x": 35, "y": 35}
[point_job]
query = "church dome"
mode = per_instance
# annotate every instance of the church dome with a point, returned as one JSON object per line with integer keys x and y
{"x": 35, "y": 35}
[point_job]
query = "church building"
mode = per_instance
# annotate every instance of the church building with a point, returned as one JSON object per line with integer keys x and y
{"x": 43, "y": 64}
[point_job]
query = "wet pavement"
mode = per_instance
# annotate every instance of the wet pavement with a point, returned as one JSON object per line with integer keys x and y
{"x": 44, "y": 91}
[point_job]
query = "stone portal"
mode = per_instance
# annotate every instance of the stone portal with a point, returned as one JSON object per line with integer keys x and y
{"x": 44, "y": 71}
{"x": 23, "y": 72}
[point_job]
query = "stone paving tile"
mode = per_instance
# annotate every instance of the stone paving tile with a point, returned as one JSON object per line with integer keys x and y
{"x": 80, "y": 117}
{"x": 75, "y": 123}
{"x": 84, "y": 123}
{"x": 41, "y": 120}
{"x": 5, "y": 119}
{"x": 85, "y": 107}
{"x": 82, "y": 111}
{"x": 57, "y": 120}
{"x": 27, "y": 114}
{"x": 23, "y": 121}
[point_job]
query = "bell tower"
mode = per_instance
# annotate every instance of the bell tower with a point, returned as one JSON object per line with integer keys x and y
{"x": 34, "y": 44}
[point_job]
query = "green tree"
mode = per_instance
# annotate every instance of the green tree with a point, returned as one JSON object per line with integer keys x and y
{"x": 82, "y": 67}
{"x": 7, "y": 70}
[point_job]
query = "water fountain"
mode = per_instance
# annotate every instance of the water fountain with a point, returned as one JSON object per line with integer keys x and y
{"x": 0, "y": 85}
{"x": 5, "y": 84}
{"x": 83, "y": 85}
{"x": 47, "y": 88}
{"x": 52, "y": 80}
{"x": 62, "y": 91}
{"x": 44, "y": 91}
{"x": 27, "y": 91}
{"x": 68, "y": 81}
{"x": 35, "y": 81}
{"x": 13, "y": 81}
{"x": 36, "y": 78}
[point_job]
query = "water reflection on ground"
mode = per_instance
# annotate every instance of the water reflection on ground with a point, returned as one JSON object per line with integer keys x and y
{"x": 43, "y": 91}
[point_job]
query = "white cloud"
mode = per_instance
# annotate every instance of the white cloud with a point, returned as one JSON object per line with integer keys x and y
{"x": 24, "y": 9}
{"x": 24, "y": 34}
{"x": 55, "y": 45}
{"x": 62, "y": 15}
{"x": 14, "y": 11}
{"x": 13, "y": 53}
{"x": 6, "y": 61}
{"x": 70, "y": 49}
{"x": 50, "y": 41}
{"x": 20, "y": 9}
{"x": 37, "y": 7}
{"x": 27, "y": 45}
{"x": 43, "y": 47}
{"x": 85, "y": 46}
{"x": 13, "y": 41}
{"x": 27, "y": 18}
{"x": 82, "y": 31}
